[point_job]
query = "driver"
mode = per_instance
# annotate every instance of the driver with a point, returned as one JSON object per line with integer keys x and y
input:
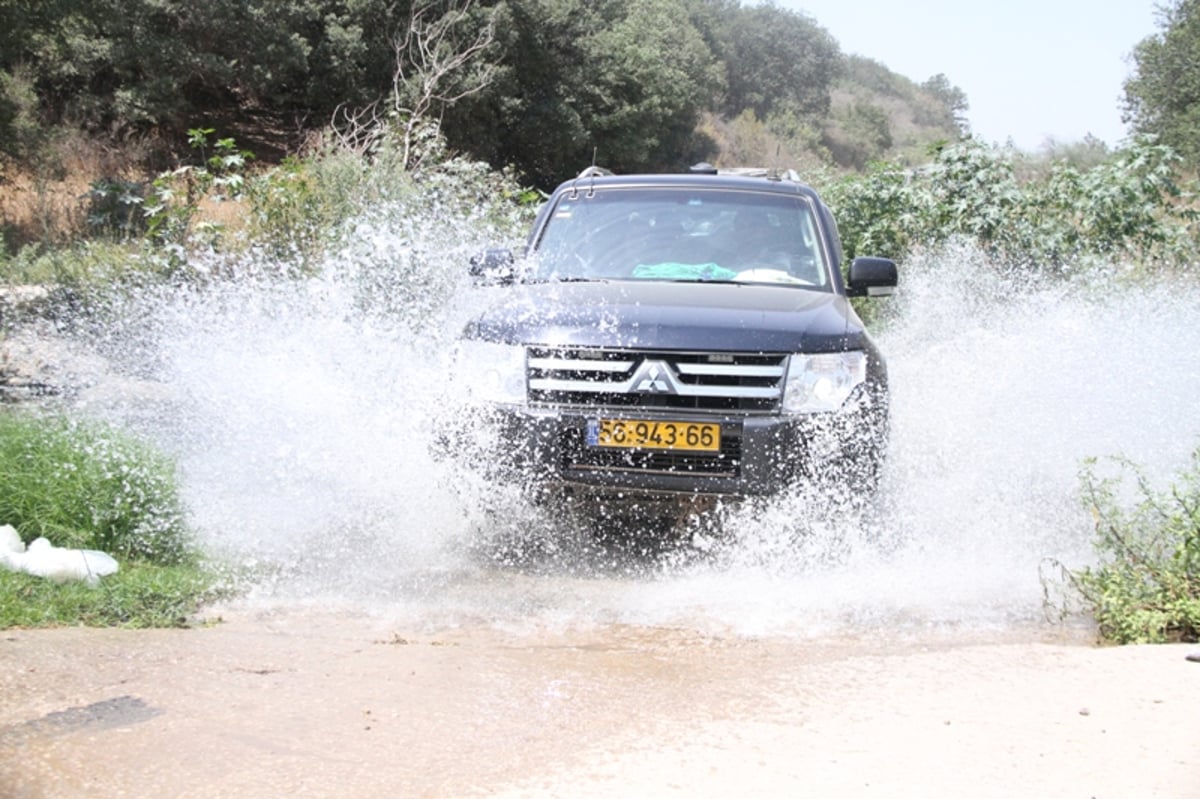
{"x": 760, "y": 244}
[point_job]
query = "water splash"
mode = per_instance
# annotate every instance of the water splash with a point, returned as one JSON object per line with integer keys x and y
{"x": 302, "y": 412}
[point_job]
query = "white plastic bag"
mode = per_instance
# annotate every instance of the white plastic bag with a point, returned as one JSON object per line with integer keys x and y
{"x": 43, "y": 559}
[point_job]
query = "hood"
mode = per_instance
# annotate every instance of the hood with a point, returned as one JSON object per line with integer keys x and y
{"x": 731, "y": 317}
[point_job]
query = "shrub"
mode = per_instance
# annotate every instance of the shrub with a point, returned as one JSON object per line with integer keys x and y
{"x": 1146, "y": 587}
{"x": 175, "y": 197}
{"x": 115, "y": 208}
{"x": 1049, "y": 221}
{"x": 84, "y": 288}
{"x": 311, "y": 199}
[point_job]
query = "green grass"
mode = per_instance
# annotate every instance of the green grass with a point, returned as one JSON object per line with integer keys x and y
{"x": 81, "y": 265}
{"x": 139, "y": 595}
{"x": 86, "y": 485}
{"x": 90, "y": 486}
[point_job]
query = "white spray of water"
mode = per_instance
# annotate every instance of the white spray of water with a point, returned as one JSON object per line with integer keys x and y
{"x": 303, "y": 425}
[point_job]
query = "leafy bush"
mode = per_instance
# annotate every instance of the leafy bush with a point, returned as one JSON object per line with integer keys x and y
{"x": 295, "y": 206}
{"x": 88, "y": 486}
{"x": 307, "y": 207}
{"x": 176, "y": 195}
{"x": 1051, "y": 221}
{"x": 1146, "y": 587}
{"x": 115, "y": 208}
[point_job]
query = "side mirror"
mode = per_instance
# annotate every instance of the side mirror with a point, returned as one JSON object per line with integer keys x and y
{"x": 872, "y": 277}
{"x": 494, "y": 267}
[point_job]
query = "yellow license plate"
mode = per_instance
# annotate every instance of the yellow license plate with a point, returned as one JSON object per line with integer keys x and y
{"x": 647, "y": 434}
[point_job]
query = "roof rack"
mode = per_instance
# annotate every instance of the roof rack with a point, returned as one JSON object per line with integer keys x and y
{"x": 746, "y": 171}
{"x": 591, "y": 173}
{"x": 702, "y": 168}
{"x": 705, "y": 168}
{"x": 594, "y": 172}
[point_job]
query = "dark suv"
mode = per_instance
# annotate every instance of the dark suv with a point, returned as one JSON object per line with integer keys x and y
{"x": 666, "y": 336}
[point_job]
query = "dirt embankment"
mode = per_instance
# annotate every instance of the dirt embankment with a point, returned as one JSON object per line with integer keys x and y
{"x": 312, "y": 704}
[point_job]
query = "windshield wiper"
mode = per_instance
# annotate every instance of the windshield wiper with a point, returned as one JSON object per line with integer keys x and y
{"x": 567, "y": 279}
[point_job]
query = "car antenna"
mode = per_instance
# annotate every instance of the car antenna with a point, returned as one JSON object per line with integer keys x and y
{"x": 591, "y": 172}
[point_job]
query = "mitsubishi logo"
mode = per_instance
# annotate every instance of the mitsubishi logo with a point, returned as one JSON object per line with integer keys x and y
{"x": 653, "y": 377}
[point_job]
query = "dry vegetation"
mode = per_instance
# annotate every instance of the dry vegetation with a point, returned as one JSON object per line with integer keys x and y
{"x": 47, "y": 200}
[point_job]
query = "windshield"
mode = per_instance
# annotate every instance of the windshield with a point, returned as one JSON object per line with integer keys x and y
{"x": 681, "y": 234}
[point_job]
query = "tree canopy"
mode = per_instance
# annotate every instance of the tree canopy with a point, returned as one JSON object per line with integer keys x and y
{"x": 778, "y": 58}
{"x": 626, "y": 80}
{"x": 1162, "y": 97}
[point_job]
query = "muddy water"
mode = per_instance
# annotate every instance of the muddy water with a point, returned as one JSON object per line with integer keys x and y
{"x": 309, "y": 703}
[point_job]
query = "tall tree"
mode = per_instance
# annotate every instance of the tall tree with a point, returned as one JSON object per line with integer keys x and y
{"x": 952, "y": 98}
{"x": 779, "y": 58}
{"x": 624, "y": 80}
{"x": 1163, "y": 95}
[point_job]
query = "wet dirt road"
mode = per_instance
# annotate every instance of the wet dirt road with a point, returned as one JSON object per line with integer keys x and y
{"x": 304, "y": 703}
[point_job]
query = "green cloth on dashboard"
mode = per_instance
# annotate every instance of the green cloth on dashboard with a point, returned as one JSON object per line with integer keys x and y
{"x": 675, "y": 271}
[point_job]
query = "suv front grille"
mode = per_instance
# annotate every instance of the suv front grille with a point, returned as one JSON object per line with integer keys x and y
{"x": 598, "y": 378}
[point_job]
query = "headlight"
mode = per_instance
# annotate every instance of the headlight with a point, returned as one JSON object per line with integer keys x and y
{"x": 490, "y": 372}
{"x": 821, "y": 383}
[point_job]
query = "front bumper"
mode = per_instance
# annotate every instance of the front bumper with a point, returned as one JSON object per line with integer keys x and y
{"x": 760, "y": 454}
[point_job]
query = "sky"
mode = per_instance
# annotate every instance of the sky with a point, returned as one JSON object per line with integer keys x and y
{"x": 1032, "y": 70}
